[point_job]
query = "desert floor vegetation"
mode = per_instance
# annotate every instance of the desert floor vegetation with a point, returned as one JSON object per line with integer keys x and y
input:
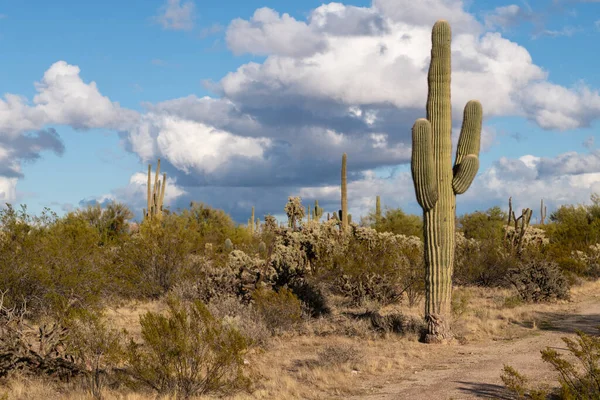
{"x": 195, "y": 306}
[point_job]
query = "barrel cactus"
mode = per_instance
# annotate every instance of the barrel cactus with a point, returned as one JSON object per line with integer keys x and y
{"x": 437, "y": 183}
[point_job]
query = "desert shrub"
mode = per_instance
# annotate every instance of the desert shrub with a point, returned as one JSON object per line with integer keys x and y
{"x": 539, "y": 280}
{"x": 483, "y": 226}
{"x": 481, "y": 262}
{"x": 312, "y": 296}
{"x": 512, "y": 302}
{"x": 97, "y": 350}
{"x": 518, "y": 384}
{"x": 575, "y": 227}
{"x": 393, "y": 323}
{"x": 338, "y": 355}
{"x": 153, "y": 261}
{"x": 369, "y": 286}
{"x": 213, "y": 225}
{"x": 577, "y": 382}
{"x": 280, "y": 309}
{"x": 207, "y": 280}
{"x": 460, "y": 301}
{"x": 243, "y": 317}
{"x": 55, "y": 265}
{"x": 396, "y": 221}
{"x": 37, "y": 352}
{"x": 188, "y": 352}
{"x": 110, "y": 221}
{"x": 379, "y": 267}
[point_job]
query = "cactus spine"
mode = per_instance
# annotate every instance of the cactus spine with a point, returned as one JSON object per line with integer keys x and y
{"x": 344, "y": 211}
{"x": 437, "y": 183}
{"x": 156, "y": 193}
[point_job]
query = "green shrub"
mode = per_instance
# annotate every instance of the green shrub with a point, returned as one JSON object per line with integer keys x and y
{"x": 110, "y": 221}
{"x": 188, "y": 352}
{"x": 460, "y": 301}
{"x": 280, "y": 309}
{"x": 518, "y": 385}
{"x": 56, "y": 266}
{"x": 338, "y": 355}
{"x": 153, "y": 261}
{"x": 581, "y": 382}
{"x": 396, "y": 221}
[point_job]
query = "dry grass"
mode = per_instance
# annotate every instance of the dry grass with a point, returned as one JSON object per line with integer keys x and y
{"x": 296, "y": 366}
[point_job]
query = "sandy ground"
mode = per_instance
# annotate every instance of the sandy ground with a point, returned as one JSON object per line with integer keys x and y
{"x": 472, "y": 371}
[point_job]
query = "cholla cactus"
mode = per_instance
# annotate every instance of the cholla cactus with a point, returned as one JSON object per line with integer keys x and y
{"x": 437, "y": 183}
{"x": 294, "y": 211}
{"x": 270, "y": 224}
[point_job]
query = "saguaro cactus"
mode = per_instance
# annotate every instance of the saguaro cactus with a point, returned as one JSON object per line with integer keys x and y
{"x": 542, "y": 212}
{"x": 344, "y": 214}
{"x": 437, "y": 183}
{"x": 156, "y": 193}
{"x": 378, "y": 208}
{"x": 318, "y": 211}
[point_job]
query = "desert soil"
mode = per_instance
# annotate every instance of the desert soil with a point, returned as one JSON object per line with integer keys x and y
{"x": 472, "y": 371}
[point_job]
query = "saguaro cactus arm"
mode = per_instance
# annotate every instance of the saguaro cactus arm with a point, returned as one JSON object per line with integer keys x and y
{"x": 467, "y": 151}
{"x": 422, "y": 164}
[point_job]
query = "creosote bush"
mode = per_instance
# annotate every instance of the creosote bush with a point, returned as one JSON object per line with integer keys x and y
{"x": 281, "y": 309}
{"x": 188, "y": 352}
{"x": 576, "y": 380}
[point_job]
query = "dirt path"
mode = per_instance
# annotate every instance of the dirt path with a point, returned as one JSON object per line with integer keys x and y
{"x": 472, "y": 371}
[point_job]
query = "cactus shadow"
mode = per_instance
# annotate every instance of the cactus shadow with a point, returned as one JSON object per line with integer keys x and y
{"x": 485, "y": 390}
{"x": 569, "y": 323}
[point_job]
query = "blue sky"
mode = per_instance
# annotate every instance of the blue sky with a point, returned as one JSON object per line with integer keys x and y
{"x": 291, "y": 86}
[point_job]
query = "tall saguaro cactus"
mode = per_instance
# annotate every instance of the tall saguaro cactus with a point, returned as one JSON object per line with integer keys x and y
{"x": 437, "y": 183}
{"x": 156, "y": 193}
{"x": 377, "y": 208}
{"x": 344, "y": 216}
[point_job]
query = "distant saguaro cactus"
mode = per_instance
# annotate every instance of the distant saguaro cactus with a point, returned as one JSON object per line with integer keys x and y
{"x": 542, "y": 212}
{"x": 377, "y": 208}
{"x": 318, "y": 211}
{"x": 437, "y": 183}
{"x": 156, "y": 193}
{"x": 344, "y": 214}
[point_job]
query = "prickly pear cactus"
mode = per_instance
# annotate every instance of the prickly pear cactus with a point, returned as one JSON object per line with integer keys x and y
{"x": 437, "y": 183}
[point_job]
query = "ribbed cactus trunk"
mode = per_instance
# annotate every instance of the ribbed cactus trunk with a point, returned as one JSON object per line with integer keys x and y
{"x": 344, "y": 216}
{"x": 437, "y": 183}
{"x": 156, "y": 194}
{"x": 377, "y": 208}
